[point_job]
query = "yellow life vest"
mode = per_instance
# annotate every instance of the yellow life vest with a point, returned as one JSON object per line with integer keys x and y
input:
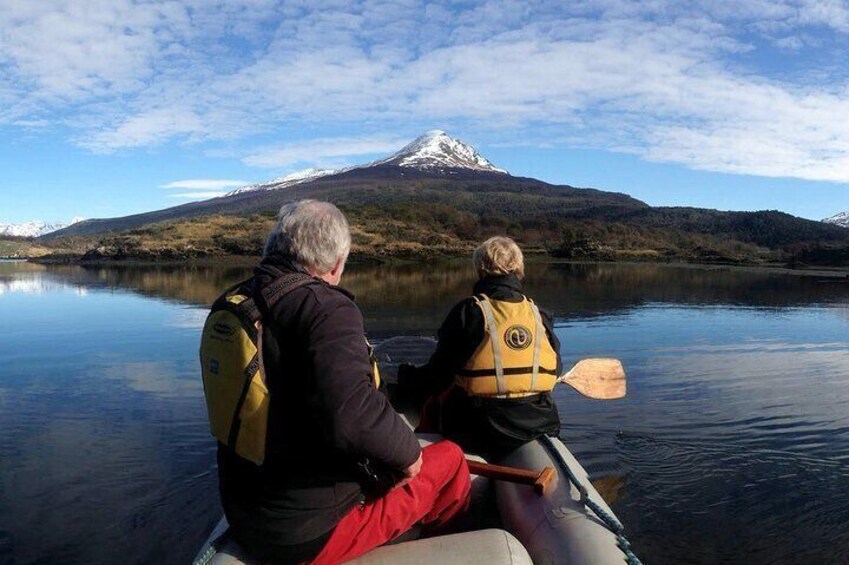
{"x": 234, "y": 381}
{"x": 515, "y": 357}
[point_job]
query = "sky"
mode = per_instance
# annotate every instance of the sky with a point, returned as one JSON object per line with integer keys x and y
{"x": 113, "y": 107}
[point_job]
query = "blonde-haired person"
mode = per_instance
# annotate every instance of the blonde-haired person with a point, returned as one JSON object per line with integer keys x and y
{"x": 489, "y": 381}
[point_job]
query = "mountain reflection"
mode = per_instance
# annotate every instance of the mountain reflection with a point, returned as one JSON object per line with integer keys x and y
{"x": 735, "y": 422}
{"x": 414, "y": 298}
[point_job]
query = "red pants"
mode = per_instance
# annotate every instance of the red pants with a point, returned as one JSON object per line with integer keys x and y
{"x": 438, "y": 493}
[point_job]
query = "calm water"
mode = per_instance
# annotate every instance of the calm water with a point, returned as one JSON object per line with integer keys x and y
{"x": 731, "y": 447}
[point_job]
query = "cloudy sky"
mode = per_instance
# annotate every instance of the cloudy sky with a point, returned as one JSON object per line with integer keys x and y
{"x": 110, "y": 107}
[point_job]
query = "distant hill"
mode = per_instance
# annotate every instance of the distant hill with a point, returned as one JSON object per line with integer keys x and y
{"x": 20, "y": 248}
{"x": 439, "y": 196}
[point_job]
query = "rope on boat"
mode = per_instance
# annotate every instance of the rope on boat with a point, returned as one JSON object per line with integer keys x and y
{"x": 607, "y": 519}
{"x": 206, "y": 556}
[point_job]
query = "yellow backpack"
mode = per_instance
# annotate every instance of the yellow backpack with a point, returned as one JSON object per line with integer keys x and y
{"x": 237, "y": 397}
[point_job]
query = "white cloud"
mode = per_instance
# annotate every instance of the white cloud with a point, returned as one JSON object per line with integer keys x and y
{"x": 34, "y": 123}
{"x": 204, "y": 184}
{"x": 147, "y": 128}
{"x": 202, "y": 188}
{"x": 670, "y": 81}
{"x": 323, "y": 150}
{"x": 199, "y": 195}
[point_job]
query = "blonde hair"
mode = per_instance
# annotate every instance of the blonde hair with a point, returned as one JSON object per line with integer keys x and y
{"x": 499, "y": 255}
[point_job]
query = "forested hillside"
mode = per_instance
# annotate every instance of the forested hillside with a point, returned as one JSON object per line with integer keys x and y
{"x": 398, "y": 212}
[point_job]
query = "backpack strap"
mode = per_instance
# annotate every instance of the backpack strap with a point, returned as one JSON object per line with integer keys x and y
{"x": 239, "y": 300}
{"x": 282, "y": 286}
{"x": 264, "y": 300}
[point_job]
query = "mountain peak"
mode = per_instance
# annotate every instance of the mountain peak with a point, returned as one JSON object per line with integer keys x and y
{"x": 435, "y": 150}
{"x": 841, "y": 219}
{"x": 34, "y": 228}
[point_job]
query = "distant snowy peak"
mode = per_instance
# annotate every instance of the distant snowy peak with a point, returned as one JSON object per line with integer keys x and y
{"x": 437, "y": 150}
{"x": 289, "y": 180}
{"x": 841, "y": 219}
{"x": 34, "y": 228}
{"x": 433, "y": 152}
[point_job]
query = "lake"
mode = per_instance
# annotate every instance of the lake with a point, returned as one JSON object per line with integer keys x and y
{"x": 732, "y": 445}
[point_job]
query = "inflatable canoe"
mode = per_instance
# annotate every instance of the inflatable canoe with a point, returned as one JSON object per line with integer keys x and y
{"x": 508, "y": 523}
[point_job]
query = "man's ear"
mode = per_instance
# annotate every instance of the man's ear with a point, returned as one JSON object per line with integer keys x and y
{"x": 338, "y": 267}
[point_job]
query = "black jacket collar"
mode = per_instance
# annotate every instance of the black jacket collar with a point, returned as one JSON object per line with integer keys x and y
{"x": 499, "y": 287}
{"x": 278, "y": 265}
{"x": 275, "y": 266}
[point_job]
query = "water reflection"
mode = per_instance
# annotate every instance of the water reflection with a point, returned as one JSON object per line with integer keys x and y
{"x": 411, "y": 299}
{"x": 732, "y": 445}
{"x": 105, "y": 453}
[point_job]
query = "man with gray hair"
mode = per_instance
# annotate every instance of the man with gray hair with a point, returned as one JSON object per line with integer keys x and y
{"x": 321, "y": 495}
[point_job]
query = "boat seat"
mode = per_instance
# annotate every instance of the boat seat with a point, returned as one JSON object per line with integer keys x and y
{"x": 484, "y": 547}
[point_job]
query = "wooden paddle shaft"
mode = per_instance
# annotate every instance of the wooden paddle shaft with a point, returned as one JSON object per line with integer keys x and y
{"x": 540, "y": 480}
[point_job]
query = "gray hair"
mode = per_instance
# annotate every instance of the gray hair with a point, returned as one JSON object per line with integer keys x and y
{"x": 313, "y": 234}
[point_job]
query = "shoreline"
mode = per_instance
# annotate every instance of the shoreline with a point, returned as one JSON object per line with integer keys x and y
{"x": 834, "y": 273}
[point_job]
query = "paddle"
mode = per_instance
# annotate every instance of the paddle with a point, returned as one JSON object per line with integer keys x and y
{"x": 539, "y": 480}
{"x": 602, "y": 379}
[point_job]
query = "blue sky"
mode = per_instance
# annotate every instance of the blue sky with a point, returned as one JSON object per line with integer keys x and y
{"x": 111, "y": 107}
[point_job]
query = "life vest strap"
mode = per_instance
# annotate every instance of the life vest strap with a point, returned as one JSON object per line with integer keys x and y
{"x": 514, "y": 395}
{"x": 508, "y": 371}
{"x": 540, "y": 334}
{"x": 492, "y": 330}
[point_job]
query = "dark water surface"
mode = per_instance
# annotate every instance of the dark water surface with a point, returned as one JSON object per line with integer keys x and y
{"x": 731, "y": 447}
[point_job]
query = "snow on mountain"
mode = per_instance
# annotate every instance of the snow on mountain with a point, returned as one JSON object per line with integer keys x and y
{"x": 433, "y": 151}
{"x": 34, "y": 228}
{"x": 282, "y": 182}
{"x": 436, "y": 150}
{"x": 841, "y": 219}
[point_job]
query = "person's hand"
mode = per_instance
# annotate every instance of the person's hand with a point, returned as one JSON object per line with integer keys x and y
{"x": 411, "y": 471}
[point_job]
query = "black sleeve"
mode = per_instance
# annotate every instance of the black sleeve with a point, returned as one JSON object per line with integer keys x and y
{"x": 459, "y": 336}
{"x": 359, "y": 420}
{"x": 548, "y": 322}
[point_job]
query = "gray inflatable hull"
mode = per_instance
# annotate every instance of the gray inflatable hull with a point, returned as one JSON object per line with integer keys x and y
{"x": 557, "y": 527}
{"x": 552, "y": 529}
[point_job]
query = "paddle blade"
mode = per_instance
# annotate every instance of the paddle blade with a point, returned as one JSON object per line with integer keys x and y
{"x": 603, "y": 379}
{"x": 610, "y": 488}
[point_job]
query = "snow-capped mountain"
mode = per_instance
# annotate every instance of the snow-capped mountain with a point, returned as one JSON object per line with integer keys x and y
{"x": 34, "y": 228}
{"x": 434, "y": 151}
{"x": 282, "y": 182}
{"x": 841, "y": 219}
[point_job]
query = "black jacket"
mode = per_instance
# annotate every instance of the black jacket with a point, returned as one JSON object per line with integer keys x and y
{"x": 491, "y": 426}
{"x": 325, "y": 416}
